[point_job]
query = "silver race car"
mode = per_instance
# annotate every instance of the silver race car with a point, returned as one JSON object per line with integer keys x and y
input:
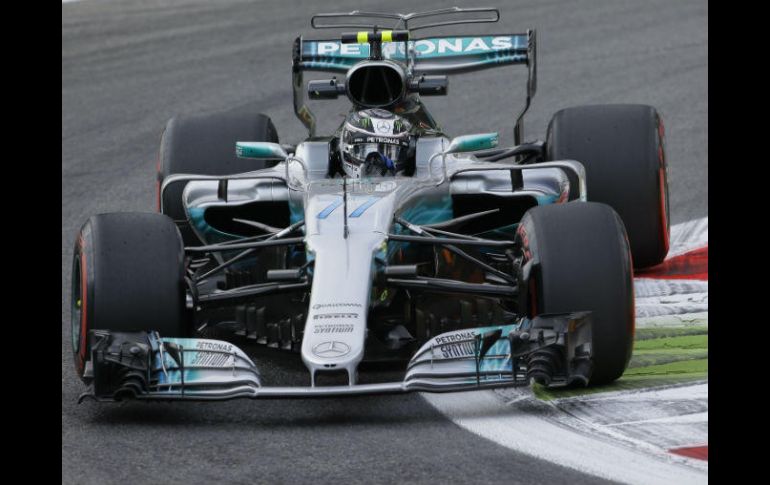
{"x": 456, "y": 263}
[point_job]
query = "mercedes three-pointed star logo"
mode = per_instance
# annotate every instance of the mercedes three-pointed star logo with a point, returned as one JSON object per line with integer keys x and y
{"x": 331, "y": 349}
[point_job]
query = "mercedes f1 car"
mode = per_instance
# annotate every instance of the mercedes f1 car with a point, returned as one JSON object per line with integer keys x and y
{"x": 460, "y": 264}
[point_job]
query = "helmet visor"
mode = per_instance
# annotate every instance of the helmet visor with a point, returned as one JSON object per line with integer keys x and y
{"x": 360, "y": 151}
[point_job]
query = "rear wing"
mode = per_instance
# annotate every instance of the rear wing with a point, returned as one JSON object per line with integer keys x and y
{"x": 432, "y": 55}
{"x": 426, "y": 55}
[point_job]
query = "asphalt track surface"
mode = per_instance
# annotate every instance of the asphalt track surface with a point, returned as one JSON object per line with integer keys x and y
{"x": 128, "y": 66}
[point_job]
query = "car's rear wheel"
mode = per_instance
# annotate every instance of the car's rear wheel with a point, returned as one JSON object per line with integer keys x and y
{"x": 621, "y": 147}
{"x": 127, "y": 276}
{"x": 582, "y": 262}
{"x": 205, "y": 145}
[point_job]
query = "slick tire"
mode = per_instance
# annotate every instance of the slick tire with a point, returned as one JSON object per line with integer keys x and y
{"x": 205, "y": 145}
{"x": 582, "y": 262}
{"x": 621, "y": 147}
{"x": 127, "y": 276}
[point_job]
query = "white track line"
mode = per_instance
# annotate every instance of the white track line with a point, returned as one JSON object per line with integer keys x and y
{"x": 651, "y": 420}
{"x": 531, "y": 430}
{"x": 598, "y": 434}
{"x": 684, "y": 419}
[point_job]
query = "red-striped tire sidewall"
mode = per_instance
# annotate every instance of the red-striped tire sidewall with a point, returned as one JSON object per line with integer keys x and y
{"x": 82, "y": 288}
{"x": 663, "y": 185}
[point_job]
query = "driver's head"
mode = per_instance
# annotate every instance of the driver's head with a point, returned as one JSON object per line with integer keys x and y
{"x": 375, "y": 142}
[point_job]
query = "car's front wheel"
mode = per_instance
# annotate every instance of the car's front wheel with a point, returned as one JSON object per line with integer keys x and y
{"x": 127, "y": 276}
{"x": 581, "y": 261}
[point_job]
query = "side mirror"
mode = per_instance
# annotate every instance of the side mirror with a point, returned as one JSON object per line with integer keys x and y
{"x": 325, "y": 88}
{"x": 472, "y": 143}
{"x": 259, "y": 149}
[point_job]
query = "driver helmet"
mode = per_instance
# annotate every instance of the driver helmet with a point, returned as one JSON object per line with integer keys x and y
{"x": 376, "y": 142}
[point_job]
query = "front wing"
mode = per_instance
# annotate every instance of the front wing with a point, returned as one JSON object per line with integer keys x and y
{"x": 553, "y": 349}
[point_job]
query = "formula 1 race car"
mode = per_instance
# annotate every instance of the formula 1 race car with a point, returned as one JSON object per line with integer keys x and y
{"x": 458, "y": 263}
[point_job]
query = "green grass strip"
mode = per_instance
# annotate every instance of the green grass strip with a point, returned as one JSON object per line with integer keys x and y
{"x": 679, "y": 342}
{"x": 642, "y": 377}
{"x": 622, "y": 384}
{"x": 658, "y": 361}
{"x": 695, "y": 367}
{"x": 651, "y": 358}
{"x": 661, "y": 332}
